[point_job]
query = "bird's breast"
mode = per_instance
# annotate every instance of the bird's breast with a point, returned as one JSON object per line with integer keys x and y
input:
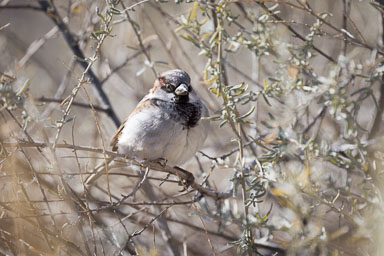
{"x": 164, "y": 130}
{"x": 188, "y": 114}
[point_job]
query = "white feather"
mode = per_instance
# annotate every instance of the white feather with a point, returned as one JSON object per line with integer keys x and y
{"x": 151, "y": 134}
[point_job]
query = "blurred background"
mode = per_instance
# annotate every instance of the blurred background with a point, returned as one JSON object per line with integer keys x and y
{"x": 295, "y": 93}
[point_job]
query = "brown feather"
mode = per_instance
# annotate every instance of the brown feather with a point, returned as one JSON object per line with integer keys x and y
{"x": 158, "y": 84}
{"x": 115, "y": 138}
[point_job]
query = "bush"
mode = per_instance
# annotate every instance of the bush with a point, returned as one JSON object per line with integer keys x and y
{"x": 293, "y": 163}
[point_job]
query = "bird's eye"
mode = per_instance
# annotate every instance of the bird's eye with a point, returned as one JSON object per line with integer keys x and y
{"x": 169, "y": 87}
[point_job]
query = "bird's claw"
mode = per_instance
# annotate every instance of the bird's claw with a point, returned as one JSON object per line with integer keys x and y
{"x": 186, "y": 183}
{"x": 161, "y": 161}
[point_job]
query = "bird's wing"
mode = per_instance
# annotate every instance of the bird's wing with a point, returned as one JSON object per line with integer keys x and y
{"x": 145, "y": 102}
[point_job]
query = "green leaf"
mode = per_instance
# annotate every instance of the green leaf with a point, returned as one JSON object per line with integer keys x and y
{"x": 115, "y": 10}
{"x": 100, "y": 32}
{"x": 247, "y": 114}
{"x": 81, "y": 59}
{"x": 266, "y": 100}
{"x": 223, "y": 123}
{"x": 212, "y": 118}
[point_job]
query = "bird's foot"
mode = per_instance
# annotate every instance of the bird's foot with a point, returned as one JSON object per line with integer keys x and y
{"x": 186, "y": 179}
{"x": 161, "y": 161}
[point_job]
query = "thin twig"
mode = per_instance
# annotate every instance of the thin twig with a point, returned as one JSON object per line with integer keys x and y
{"x": 378, "y": 119}
{"x": 39, "y": 222}
{"x": 118, "y": 203}
{"x": 36, "y": 45}
{"x": 138, "y": 36}
{"x": 86, "y": 204}
{"x": 138, "y": 232}
{"x": 162, "y": 41}
{"x": 350, "y": 37}
{"x": 224, "y": 156}
{"x": 346, "y": 10}
{"x": 309, "y": 126}
{"x": 52, "y": 234}
{"x": 61, "y": 89}
{"x": 194, "y": 227}
{"x": 117, "y": 68}
{"x": 52, "y": 12}
{"x": 101, "y": 138}
{"x": 298, "y": 35}
{"x": 21, "y": 7}
{"x": 77, "y": 104}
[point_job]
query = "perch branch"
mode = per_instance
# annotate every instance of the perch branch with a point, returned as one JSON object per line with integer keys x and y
{"x": 185, "y": 175}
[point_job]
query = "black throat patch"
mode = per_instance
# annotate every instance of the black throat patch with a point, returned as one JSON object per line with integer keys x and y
{"x": 188, "y": 114}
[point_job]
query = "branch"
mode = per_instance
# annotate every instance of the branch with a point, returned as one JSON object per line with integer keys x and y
{"x": 120, "y": 201}
{"x": 350, "y": 37}
{"x": 294, "y": 32}
{"x": 52, "y": 13}
{"x": 24, "y": 6}
{"x": 309, "y": 126}
{"x": 138, "y": 36}
{"x": 117, "y": 68}
{"x": 380, "y": 109}
{"x": 138, "y": 232}
{"x": 183, "y": 174}
{"x": 78, "y": 104}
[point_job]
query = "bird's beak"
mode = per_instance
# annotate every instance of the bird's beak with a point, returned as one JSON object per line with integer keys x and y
{"x": 182, "y": 90}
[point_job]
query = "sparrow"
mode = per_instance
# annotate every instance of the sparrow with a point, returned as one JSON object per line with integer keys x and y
{"x": 166, "y": 124}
